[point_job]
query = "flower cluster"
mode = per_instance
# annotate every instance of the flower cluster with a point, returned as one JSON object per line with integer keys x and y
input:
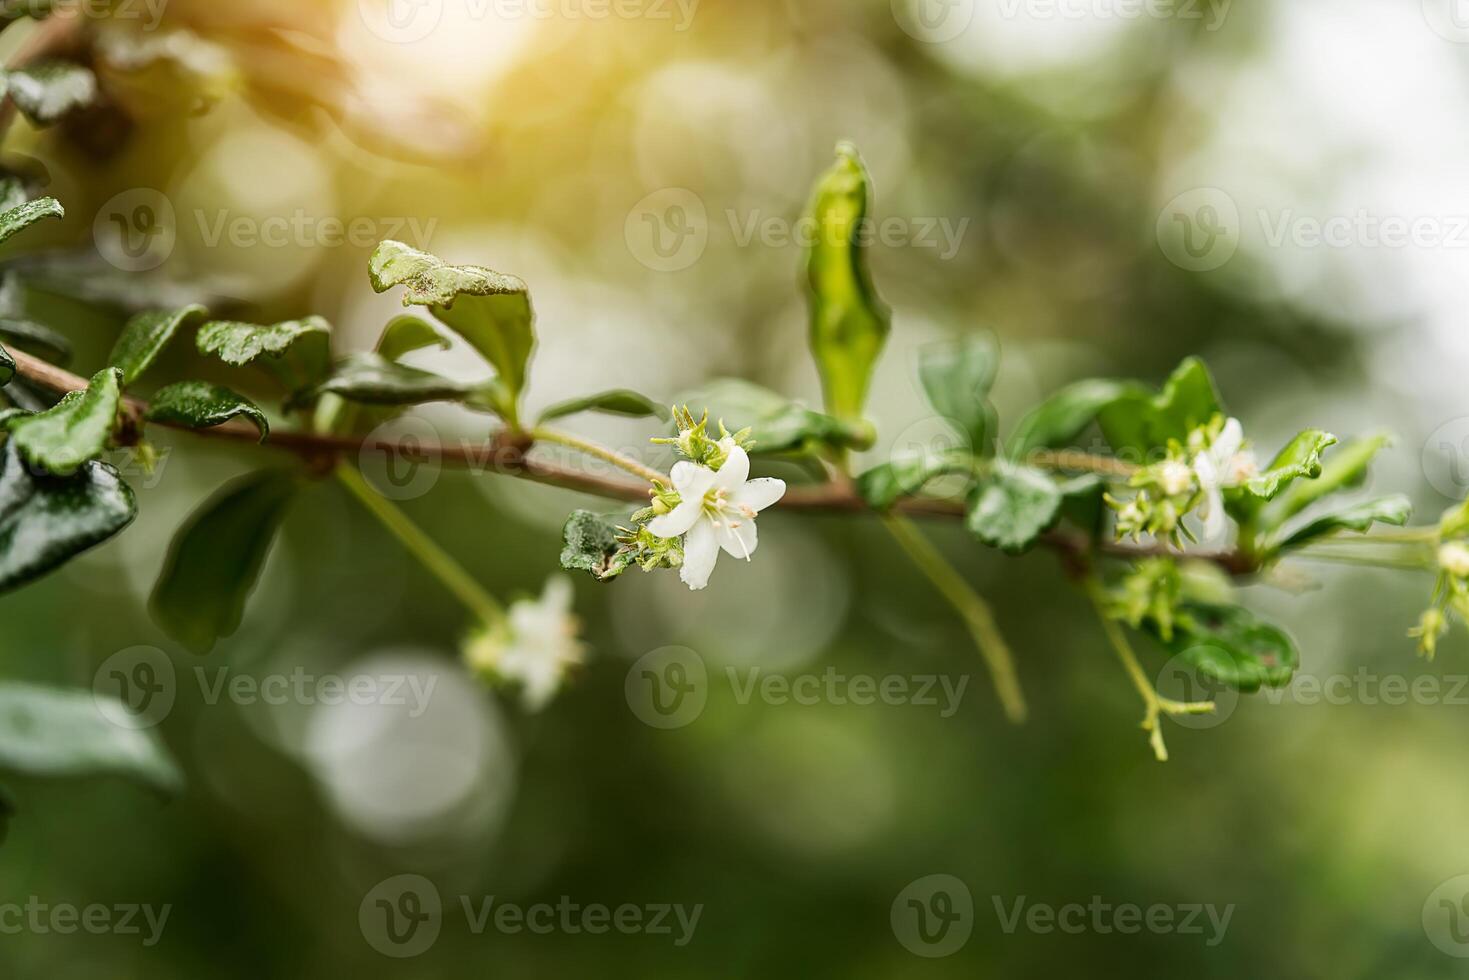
{"x": 1191, "y": 478}
{"x": 1451, "y": 591}
{"x": 533, "y": 647}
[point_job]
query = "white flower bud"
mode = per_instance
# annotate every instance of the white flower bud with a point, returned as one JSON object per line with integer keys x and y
{"x": 1453, "y": 558}
{"x": 1175, "y": 478}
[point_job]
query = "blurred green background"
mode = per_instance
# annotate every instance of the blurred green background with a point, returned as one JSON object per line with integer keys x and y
{"x": 1056, "y": 137}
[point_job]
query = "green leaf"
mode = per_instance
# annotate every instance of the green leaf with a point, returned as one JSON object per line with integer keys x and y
{"x": 1346, "y": 467}
{"x": 7, "y": 367}
{"x": 47, "y": 731}
{"x": 1012, "y": 505}
{"x": 1060, "y": 419}
{"x": 1230, "y": 645}
{"x": 46, "y": 91}
{"x": 201, "y": 405}
{"x": 46, "y": 520}
{"x": 307, "y": 340}
{"x": 75, "y": 430}
{"x": 957, "y": 376}
{"x": 777, "y": 424}
{"x": 490, "y": 310}
{"x": 849, "y": 321}
{"x": 19, "y": 217}
{"x": 216, "y": 558}
{"x": 405, "y": 334}
{"x": 591, "y": 546}
{"x": 374, "y": 380}
{"x": 1394, "y": 510}
{"x": 146, "y": 335}
{"x": 1301, "y": 457}
{"x": 618, "y": 401}
{"x": 1137, "y": 422}
{"x": 882, "y": 486}
{"x": 28, "y": 335}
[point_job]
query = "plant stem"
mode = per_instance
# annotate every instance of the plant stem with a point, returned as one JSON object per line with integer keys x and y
{"x": 1155, "y": 706}
{"x": 1358, "y": 558}
{"x": 1075, "y": 461}
{"x": 600, "y": 452}
{"x": 425, "y": 549}
{"x": 976, "y": 612}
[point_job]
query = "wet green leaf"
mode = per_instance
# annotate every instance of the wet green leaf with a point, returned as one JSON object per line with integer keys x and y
{"x": 1137, "y": 422}
{"x": 882, "y": 486}
{"x": 307, "y": 341}
{"x": 1060, "y": 419}
{"x": 146, "y": 335}
{"x": 374, "y": 380}
{"x": 202, "y": 405}
{"x": 18, "y": 217}
{"x": 1230, "y": 645}
{"x": 1012, "y": 505}
{"x": 849, "y": 321}
{"x": 957, "y": 376}
{"x": 1393, "y": 510}
{"x": 405, "y": 334}
{"x": 75, "y": 430}
{"x": 216, "y": 559}
{"x": 618, "y": 401}
{"x": 1346, "y": 467}
{"x": 1301, "y": 457}
{"x": 590, "y": 545}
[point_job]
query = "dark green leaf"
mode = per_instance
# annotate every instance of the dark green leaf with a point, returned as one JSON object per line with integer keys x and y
{"x": 19, "y": 218}
{"x": 1136, "y": 422}
{"x": 777, "y": 424}
{"x": 1359, "y": 517}
{"x": 374, "y": 380}
{"x": 882, "y": 486}
{"x": 48, "y": 90}
{"x": 618, "y": 401}
{"x": 1058, "y": 420}
{"x": 201, "y": 405}
{"x": 849, "y": 321}
{"x": 75, "y": 430}
{"x": 216, "y": 558}
{"x": 46, "y": 520}
{"x": 145, "y": 337}
{"x": 957, "y": 376}
{"x": 591, "y": 546}
{"x": 405, "y": 334}
{"x": 47, "y": 731}
{"x": 307, "y": 340}
{"x": 1012, "y": 505}
{"x": 1230, "y": 645}
{"x": 490, "y": 310}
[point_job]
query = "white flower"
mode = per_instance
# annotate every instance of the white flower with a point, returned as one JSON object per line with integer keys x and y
{"x": 1453, "y": 558}
{"x": 535, "y": 647}
{"x": 1222, "y": 465}
{"x": 716, "y": 510}
{"x": 1175, "y": 477}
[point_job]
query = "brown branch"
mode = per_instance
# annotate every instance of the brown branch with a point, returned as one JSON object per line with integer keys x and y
{"x": 507, "y": 454}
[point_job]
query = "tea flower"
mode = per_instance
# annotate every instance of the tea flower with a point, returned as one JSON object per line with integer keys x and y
{"x": 1223, "y": 464}
{"x": 535, "y": 647}
{"x": 716, "y": 510}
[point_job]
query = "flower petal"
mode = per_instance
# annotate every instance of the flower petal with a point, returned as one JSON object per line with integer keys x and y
{"x": 679, "y": 520}
{"x": 738, "y": 538}
{"x": 700, "y": 551}
{"x": 1231, "y": 437}
{"x": 691, "y": 479}
{"x": 735, "y": 471}
{"x": 1212, "y": 512}
{"x": 759, "y": 494}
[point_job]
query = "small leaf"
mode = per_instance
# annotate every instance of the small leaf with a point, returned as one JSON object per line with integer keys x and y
{"x": 406, "y": 334}
{"x": 1301, "y": 457}
{"x": 1394, "y": 510}
{"x": 48, "y": 90}
{"x": 308, "y": 339}
{"x": 1058, "y": 420}
{"x": 490, "y": 310}
{"x": 777, "y": 424}
{"x": 591, "y": 546}
{"x": 957, "y": 377}
{"x": 849, "y": 321}
{"x": 374, "y": 380}
{"x": 46, "y": 520}
{"x": 1012, "y": 505}
{"x": 7, "y": 367}
{"x": 216, "y": 558}
{"x": 22, "y": 216}
{"x": 75, "y": 430}
{"x": 47, "y": 731}
{"x": 618, "y": 401}
{"x": 1346, "y": 467}
{"x": 36, "y": 337}
{"x": 882, "y": 486}
{"x": 1136, "y": 422}
{"x": 1230, "y": 645}
{"x": 201, "y": 405}
{"x": 146, "y": 335}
